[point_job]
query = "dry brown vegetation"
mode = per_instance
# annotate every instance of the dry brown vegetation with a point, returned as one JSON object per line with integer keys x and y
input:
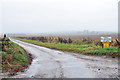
{"x": 69, "y": 40}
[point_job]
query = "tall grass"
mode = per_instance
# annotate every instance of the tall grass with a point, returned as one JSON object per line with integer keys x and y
{"x": 14, "y": 58}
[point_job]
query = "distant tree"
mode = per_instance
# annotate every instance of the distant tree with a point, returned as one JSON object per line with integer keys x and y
{"x": 69, "y": 40}
{"x": 60, "y": 40}
{"x": 64, "y": 41}
{"x": 33, "y": 38}
{"x": 84, "y": 39}
{"x": 41, "y": 39}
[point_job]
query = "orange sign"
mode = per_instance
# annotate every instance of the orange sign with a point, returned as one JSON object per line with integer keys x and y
{"x": 105, "y": 44}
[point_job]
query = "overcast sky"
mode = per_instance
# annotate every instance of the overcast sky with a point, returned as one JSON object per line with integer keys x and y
{"x": 32, "y": 16}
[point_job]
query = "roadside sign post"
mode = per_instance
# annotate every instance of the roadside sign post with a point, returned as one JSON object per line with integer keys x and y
{"x": 106, "y": 41}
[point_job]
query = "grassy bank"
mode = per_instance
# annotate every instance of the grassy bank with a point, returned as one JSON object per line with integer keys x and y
{"x": 84, "y": 49}
{"x": 14, "y": 58}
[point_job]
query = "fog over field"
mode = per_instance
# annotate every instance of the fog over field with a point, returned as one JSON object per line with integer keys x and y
{"x": 49, "y": 16}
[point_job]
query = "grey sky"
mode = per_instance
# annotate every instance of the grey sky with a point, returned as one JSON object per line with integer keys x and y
{"x": 29, "y": 16}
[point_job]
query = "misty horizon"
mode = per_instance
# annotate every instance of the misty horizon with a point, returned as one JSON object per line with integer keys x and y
{"x": 63, "y": 32}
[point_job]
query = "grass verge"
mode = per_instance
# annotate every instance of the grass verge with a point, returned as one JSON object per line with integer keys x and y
{"x": 84, "y": 49}
{"x": 14, "y": 59}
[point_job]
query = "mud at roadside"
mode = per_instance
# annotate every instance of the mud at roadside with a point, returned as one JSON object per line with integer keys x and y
{"x": 103, "y": 66}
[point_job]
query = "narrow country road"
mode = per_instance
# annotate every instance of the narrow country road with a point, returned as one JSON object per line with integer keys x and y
{"x": 49, "y": 63}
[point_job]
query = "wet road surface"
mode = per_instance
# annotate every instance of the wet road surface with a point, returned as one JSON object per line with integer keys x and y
{"x": 49, "y": 63}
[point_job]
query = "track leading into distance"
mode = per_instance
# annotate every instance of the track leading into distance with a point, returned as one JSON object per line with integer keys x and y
{"x": 49, "y": 63}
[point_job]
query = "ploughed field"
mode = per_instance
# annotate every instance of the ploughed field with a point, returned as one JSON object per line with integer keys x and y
{"x": 91, "y": 36}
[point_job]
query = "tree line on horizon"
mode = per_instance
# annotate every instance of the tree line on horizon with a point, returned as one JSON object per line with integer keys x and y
{"x": 69, "y": 40}
{"x": 49, "y": 39}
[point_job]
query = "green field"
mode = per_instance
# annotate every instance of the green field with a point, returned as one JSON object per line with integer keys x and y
{"x": 83, "y": 49}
